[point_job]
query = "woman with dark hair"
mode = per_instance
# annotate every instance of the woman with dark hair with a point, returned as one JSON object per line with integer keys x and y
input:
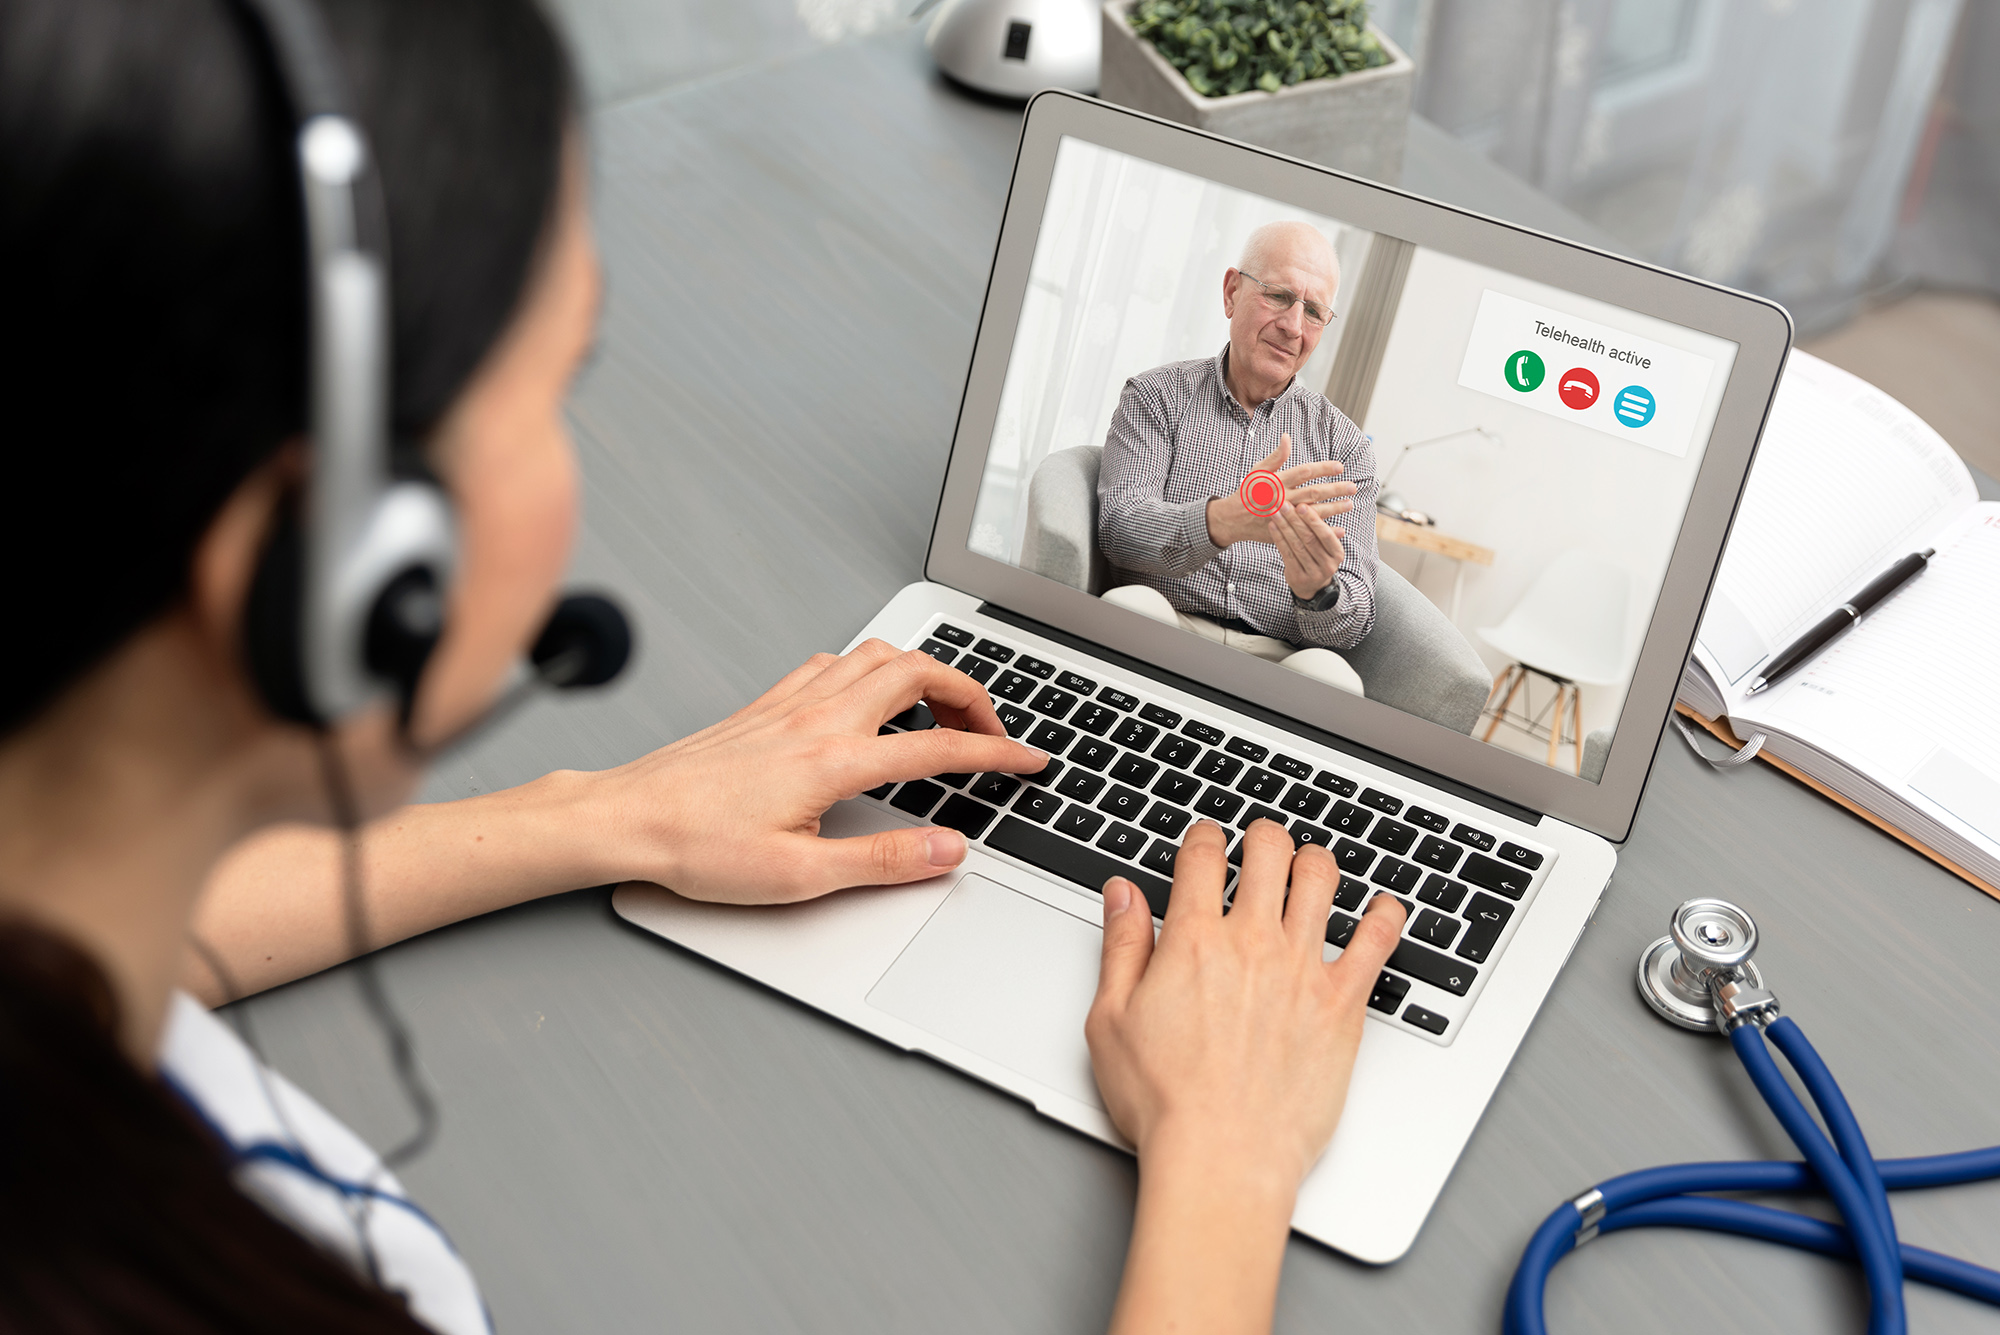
{"x": 161, "y": 828}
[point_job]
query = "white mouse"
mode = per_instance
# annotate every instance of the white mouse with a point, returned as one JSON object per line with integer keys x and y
{"x": 1016, "y": 48}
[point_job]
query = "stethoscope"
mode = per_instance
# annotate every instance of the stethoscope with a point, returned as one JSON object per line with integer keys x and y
{"x": 1700, "y": 976}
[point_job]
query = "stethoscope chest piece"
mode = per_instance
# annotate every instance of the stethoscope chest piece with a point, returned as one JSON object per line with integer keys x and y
{"x": 1709, "y": 938}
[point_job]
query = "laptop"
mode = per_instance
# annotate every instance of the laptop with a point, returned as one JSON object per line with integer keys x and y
{"x": 1561, "y": 434}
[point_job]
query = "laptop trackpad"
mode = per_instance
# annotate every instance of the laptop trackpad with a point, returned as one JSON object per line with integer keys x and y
{"x": 1005, "y": 976}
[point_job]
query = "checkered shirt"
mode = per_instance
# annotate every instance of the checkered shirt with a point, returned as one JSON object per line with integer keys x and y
{"x": 1178, "y": 440}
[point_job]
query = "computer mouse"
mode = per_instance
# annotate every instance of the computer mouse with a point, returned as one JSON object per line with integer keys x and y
{"x": 1016, "y": 48}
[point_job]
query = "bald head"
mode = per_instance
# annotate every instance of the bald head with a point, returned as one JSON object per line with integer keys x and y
{"x": 1292, "y": 245}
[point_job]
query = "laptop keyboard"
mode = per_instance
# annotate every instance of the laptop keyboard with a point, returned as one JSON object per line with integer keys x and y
{"x": 1128, "y": 774}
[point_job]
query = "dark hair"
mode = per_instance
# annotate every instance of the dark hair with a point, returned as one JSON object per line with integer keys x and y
{"x": 153, "y": 348}
{"x": 152, "y": 355}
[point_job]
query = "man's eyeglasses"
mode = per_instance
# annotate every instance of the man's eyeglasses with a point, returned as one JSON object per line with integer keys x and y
{"x": 1282, "y": 299}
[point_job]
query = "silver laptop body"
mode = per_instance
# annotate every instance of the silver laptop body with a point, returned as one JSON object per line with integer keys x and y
{"x": 1499, "y": 855}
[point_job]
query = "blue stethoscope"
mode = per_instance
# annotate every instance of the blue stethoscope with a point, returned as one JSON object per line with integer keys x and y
{"x": 1701, "y": 977}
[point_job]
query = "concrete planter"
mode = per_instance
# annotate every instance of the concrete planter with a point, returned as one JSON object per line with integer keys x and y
{"x": 1356, "y": 123}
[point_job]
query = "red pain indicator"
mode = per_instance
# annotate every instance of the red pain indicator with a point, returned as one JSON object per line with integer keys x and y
{"x": 1262, "y": 493}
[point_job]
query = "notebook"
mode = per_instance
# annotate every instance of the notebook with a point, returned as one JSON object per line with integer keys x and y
{"x": 1900, "y": 717}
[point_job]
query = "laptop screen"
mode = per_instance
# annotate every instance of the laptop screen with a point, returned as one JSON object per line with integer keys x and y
{"x": 1345, "y": 453}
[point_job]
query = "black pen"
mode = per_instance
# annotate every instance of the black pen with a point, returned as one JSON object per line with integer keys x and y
{"x": 1843, "y": 616}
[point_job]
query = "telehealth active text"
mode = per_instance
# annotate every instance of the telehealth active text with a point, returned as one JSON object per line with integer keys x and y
{"x": 1596, "y": 345}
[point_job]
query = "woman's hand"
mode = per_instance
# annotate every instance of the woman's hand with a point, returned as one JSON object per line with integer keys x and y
{"x": 1223, "y": 1053}
{"x": 732, "y": 812}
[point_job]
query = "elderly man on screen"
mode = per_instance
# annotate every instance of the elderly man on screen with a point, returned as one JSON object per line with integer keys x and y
{"x": 1294, "y": 587}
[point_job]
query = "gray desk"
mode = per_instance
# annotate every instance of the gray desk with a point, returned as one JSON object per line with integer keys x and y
{"x": 637, "y": 1140}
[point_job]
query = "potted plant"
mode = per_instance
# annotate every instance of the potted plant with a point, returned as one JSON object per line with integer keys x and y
{"x": 1310, "y": 78}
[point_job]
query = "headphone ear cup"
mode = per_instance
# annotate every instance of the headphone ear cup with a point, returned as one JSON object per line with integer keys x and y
{"x": 274, "y": 620}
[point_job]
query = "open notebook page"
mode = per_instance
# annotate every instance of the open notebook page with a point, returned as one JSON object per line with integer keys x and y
{"x": 1847, "y": 481}
{"x": 1910, "y": 697}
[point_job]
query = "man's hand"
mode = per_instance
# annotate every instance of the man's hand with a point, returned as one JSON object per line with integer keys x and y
{"x": 1310, "y": 548}
{"x": 732, "y": 812}
{"x": 1229, "y": 523}
{"x": 1223, "y": 1053}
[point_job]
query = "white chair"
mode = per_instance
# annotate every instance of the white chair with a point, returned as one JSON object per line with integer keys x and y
{"x": 1570, "y": 629}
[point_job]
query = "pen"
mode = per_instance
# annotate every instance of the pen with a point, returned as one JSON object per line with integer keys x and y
{"x": 1844, "y": 616}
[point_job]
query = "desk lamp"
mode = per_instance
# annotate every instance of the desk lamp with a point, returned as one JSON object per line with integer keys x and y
{"x": 1016, "y": 48}
{"x": 1392, "y": 503}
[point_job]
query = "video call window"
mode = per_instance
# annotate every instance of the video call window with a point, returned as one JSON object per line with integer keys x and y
{"x": 1523, "y": 455}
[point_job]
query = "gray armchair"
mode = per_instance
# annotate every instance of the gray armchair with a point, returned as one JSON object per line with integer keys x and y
{"x": 1414, "y": 659}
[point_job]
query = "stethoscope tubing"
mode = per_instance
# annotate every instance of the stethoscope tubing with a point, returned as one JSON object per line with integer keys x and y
{"x": 1659, "y": 1197}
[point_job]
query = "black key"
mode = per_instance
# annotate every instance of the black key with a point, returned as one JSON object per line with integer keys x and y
{"x": 1160, "y": 857}
{"x": 1118, "y": 699}
{"x": 886, "y": 731}
{"x": 1442, "y": 891}
{"x": 1438, "y": 854}
{"x": 1434, "y": 928}
{"x": 917, "y": 797}
{"x": 1177, "y": 787}
{"x": 1047, "y": 774}
{"x": 1236, "y": 853}
{"x": 1053, "y": 702}
{"x": 1166, "y": 718}
{"x": 1484, "y": 871}
{"x": 1052, "y": 738}
{"x": 1353, "y": 857}
{"x": 1352, "y": 893}
{"x": 1069, "y": 681}
{"x": 1081, "y": 785}
{"x": 955, "y": 780}
{"x": 1489, "y": 919}
{"x": 916, "y": 718}
{"x": 1013, "y": 686}
{"x": 1219, "y": 805}
{"x": 968, "y": 817}
{"x": 1167, "y": 819}
{"x": 1348, "y": 818}
{"x": 979, "y": 669}
{"x": 1259, "y": 812}
{"x": 1381, "y": 801}
{"x": 1092, "y": 754}
{"x": 1095, "y": 719}
{"x": 1123, "y": 840}
{"x": 1073, "y": 862}
{"x": 1427, "y": 820}
{"x": 1035, "y": 667}
{"x": 1398, "y": 875}
{"x": 1479, "y": 839}
{"x": 1135, "y": 735}
{"x": 1013, "y": 718}
{"x": 1429, "y": 1021}
{"x": 1304, "y": 801}
{"x": 999, "y": 653}
{"x": 1392, "y": 835}
{"x": 1218, "y": 768}
{"x": 1202, "y": 732}
{"x": 939, "y": 650}
{"x": 951, "y": 634}
{"x": 1037, "y": 805}
{"x": 1333, "y": 783}
{"x": 1426, "y": 965}
{"x": 1261, "y": 784}
{"x": 1388, "y": 994}
{"x": 1177, "y": 751}
{"x": 1340, "y": 929}
{"x": 995, "y": 788}
{"x": 1122, "y": 802}
{"x": 1298, "y": 769}
{"x": 1249, "y": 750}
{"x": 1515, "y": 855}
{"x": 1080, "y": 822}
{"x": 879, "y": 793}
{"x": 1305, "y": 832}
{"x": 1135, "y": 770}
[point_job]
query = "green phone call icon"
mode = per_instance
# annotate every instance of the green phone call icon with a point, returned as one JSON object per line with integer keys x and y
{"x": 1524, "y": 371}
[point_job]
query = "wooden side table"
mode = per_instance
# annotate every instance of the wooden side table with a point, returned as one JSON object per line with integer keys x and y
{"x": 1424, "y": 538}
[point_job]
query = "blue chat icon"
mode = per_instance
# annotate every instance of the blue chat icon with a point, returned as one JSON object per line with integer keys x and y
{"x": 1634, "y": 405}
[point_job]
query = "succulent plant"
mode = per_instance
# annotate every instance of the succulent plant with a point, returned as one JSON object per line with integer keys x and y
{"x": 1231, "y": 46}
